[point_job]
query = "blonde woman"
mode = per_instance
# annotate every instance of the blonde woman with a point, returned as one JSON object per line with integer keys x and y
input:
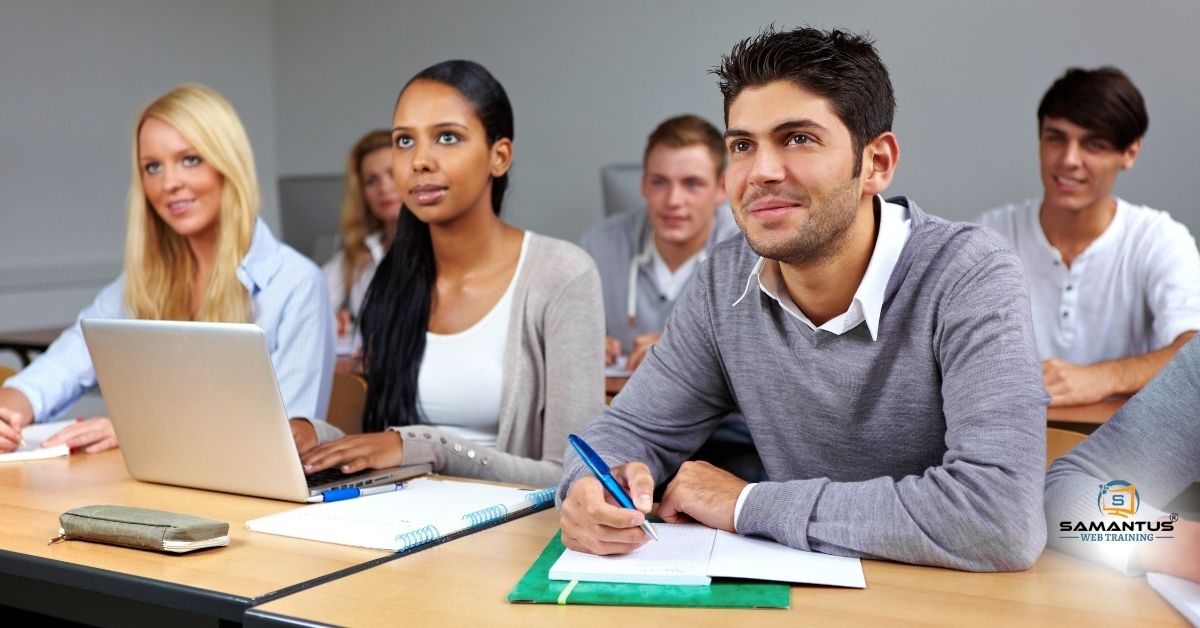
{"x": 370, "y": 209}
{"x": 195, "y": 250}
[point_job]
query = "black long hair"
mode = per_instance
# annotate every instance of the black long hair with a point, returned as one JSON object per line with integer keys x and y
{"x": 395, "y": 313}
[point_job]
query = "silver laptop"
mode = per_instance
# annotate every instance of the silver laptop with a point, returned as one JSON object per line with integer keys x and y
{"x": 197, "y": 404}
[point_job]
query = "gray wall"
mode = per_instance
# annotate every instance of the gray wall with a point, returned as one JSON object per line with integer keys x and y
{"x": 588, "y": 81}
{"x": 73, "y": 76}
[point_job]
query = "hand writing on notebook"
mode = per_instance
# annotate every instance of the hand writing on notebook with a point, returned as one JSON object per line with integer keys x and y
{"x": 15, "y": 413}
{"x": 91, "y": 436}
{"x": 592, "y": 521}
{"x": 356, "y": 452}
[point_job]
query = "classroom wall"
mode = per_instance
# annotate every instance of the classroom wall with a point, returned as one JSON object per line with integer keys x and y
{"x": 73, "y": 76}
{"x": 588, "y": 81}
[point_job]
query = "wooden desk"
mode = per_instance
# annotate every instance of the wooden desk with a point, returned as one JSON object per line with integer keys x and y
{"x": 466, "y": 582}
{"x": 33, "y": 340}
{"x": 1090, "y": 414}
{"x": 219, "y": 583}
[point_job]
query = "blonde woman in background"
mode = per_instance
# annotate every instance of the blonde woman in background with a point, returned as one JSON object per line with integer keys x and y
{"x": 370, "y": 210}
{"x": 195, "y": 250}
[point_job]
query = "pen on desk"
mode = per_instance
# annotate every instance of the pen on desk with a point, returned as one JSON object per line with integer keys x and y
{"x": 350, "y": 492}
{"x": 599, "y": 469}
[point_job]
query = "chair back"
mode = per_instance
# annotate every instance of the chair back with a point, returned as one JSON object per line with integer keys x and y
{"x": 5, "y": 373}
{"x": 347, "y": 401}
{"x": 1059, "y": 442}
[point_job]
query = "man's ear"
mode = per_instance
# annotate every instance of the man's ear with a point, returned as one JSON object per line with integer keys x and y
{"x": 1130, "y": 154}
{"x": 880, "y": 157}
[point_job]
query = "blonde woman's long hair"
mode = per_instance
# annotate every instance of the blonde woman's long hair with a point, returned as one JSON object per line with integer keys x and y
{"x": 159, "y": 264}
{"x": 357, "y": 221}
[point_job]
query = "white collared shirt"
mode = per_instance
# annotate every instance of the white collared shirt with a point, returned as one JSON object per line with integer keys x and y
{"x": 895, "y": 226}
{"x": 894, "y": 229}
{"x": 1134, "y": 289}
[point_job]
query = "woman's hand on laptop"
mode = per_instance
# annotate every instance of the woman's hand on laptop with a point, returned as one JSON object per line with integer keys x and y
{"x": 91, "y": 436}
{"x": 304, "y": 434}
{"x": 352, "y": 454}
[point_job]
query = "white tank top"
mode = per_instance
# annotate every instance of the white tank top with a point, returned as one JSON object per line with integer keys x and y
{"x": 462, "y": 374}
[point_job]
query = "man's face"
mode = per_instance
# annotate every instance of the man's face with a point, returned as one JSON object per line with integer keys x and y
{"x": 791, "y": 177}
{"x": 1079, "y": 168}
{"x": 682, "y": 191}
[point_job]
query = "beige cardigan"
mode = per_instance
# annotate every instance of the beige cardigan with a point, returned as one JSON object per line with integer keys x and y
{"x": 553, "y": 375}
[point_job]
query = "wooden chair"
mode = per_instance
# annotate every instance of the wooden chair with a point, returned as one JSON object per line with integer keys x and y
{"x": 6, "y": 373}
{"x": 346, "y": 403}
{"x": 1059, "y": 442}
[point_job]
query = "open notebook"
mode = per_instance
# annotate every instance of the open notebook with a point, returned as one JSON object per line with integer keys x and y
{"x": 34, "y": 436}
{"x": 425, "y": 510}
{"x": 692, "y": 554}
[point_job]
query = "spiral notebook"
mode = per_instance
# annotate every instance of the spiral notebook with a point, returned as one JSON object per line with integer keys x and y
{"x": 424, "y": 511}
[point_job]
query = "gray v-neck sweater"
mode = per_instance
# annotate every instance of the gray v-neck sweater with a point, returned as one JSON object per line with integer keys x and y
{"x": 924, "y": 446}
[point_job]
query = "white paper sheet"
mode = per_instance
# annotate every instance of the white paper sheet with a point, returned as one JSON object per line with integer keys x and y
{"x": 736, "y": 556}
{"x": 34, "y": 436}
{"x": 617, "y": 368}
{"x": 691, "y": 554}
{"x": 1184, "y": 595}
{"x": 679, "y": 557}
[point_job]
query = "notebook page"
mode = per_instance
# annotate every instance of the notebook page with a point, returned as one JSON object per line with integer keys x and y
{"x": 680, "y": 557}
{"x": 1182, "y": 594}
{"x": 34, "y": 436}
{"x": 425, "y": 509}
{"x": 736, "y": 556}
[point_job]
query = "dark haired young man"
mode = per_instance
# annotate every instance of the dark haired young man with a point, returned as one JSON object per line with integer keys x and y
{"x": 1115, "y": 287}
{"x": 883, "y": 358}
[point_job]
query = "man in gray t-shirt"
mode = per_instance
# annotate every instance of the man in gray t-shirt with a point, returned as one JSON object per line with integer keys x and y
{"x": 645, "y": 257}
{"x": 883, "y": 358}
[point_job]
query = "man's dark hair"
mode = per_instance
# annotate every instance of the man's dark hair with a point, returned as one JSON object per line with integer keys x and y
{"x": 841, "y": 67}
{"x": 1103, "y": 101}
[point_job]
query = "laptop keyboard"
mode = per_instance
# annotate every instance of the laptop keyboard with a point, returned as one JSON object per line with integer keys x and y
{"x": 333, "y": 474}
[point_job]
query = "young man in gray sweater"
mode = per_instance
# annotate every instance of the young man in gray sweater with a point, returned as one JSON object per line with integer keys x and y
{"x": 883, "y": 358}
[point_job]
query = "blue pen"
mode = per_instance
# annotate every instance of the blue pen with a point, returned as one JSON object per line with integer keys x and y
{"x": 604, "y": 474}
{"x": 338, "y": 494}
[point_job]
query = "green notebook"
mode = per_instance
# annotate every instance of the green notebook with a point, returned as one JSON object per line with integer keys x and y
{"x": 536, "y": 587}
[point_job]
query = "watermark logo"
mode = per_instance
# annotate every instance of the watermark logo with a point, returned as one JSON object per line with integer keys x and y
{"x": 1118, "y": 499}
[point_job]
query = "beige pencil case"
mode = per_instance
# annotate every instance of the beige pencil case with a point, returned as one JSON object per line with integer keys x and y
{"x": 142, "y": 528}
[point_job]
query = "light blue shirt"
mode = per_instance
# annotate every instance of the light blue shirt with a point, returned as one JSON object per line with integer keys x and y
{"x": 290, "y": 304}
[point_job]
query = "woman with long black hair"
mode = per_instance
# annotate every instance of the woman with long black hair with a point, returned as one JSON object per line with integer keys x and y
{"x": 482, "y": 342}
